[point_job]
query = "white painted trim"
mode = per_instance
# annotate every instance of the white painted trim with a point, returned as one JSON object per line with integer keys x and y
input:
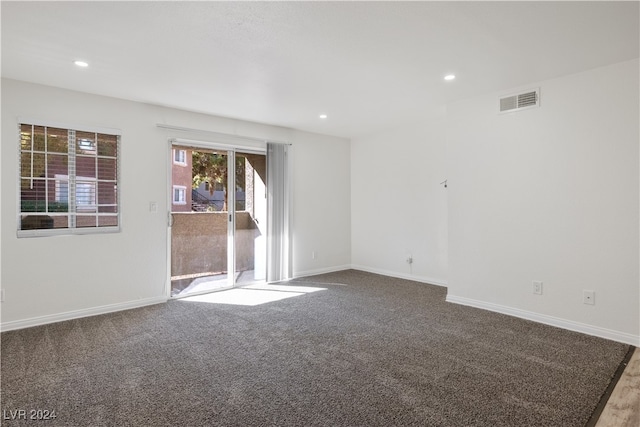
{"x": 231, "y": 215}
{"x": 76, "y": 314}
{"x": 596, "y": 331}
{"x": 195, "y": 144}
{"x": 66, "y": 125}
{"x": 306, "y": 273}
{"x": 169, "y": 201}
{"x": 67, "y": 231}
{"x": 415, "y": 278}
{"x": 220, "y": 136}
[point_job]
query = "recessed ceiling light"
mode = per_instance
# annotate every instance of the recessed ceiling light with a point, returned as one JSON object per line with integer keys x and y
{"x": 449, "y": 77}
{"x": 323, "y": 116}
{"x": 81, "y": 63}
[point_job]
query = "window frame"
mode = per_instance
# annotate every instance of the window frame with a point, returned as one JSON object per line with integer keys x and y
{"x": 182, "y": 154}
{"x": 173, "y": 196}
{"x": 83, "y": 180}
{"x": 69, "y": 230}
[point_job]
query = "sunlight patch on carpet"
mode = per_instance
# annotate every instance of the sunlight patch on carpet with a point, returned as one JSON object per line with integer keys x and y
{"x": 253, "y": 295}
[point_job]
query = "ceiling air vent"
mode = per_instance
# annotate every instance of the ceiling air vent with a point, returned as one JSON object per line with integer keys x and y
{"x": 520, "y": 101}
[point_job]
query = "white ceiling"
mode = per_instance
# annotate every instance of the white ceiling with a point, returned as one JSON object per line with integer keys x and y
{"x": 368, "y": 65}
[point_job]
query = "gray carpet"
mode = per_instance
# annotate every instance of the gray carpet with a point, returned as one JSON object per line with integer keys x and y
{"x": 374, "y": 351}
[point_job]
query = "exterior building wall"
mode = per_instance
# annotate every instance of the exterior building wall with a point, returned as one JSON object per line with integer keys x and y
{"x": 199, "y": 242}
{"x": 181, "y": 175}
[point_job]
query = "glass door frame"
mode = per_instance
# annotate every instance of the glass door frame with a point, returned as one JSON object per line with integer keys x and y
{"x": 230, "y": 151}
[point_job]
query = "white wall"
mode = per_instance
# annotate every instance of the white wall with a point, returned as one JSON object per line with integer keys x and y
{"x": 549, "y": 194}
{"x": 398, "y": 206}
{"x": 322, "y": 204}
{"x": 52, "y": 278}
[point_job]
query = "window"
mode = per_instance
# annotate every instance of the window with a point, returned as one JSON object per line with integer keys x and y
{"x": 68, "y": 181}
{"x": 180, "y": 157}
{"x": 179, "y": 195}
{"x": 85, "y": 191}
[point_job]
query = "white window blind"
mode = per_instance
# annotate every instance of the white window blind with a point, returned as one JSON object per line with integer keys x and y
{"x": 278, "y": 213}
{"x": 68, "y": 181}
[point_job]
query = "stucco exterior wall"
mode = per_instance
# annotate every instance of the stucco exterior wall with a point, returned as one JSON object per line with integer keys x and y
{"x": 199, "y": 242}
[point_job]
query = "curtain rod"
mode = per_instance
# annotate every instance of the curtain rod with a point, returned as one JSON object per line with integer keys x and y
{"x": 219, "y": 134}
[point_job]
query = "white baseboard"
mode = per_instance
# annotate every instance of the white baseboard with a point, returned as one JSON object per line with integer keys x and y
{"x": 549, "y": 320}
{"x": 421, "y": 279}
{"x": 76, "y": 314}
{"x": 321, "y": 271}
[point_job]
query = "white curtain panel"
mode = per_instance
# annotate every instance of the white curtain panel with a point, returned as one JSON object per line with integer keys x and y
{"x": 279, "y": 213}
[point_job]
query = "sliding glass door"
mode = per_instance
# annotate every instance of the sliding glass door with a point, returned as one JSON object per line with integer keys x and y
{"x": 250, "y": 235}
{"x": 218, "y": 218}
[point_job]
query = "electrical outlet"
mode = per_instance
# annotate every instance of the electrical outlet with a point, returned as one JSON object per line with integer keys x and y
{"x": 589, "y": 297}
{"x": 153, "y": 207}
{"x": 537, "y": 287}
{"x": 313, "y": 254}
